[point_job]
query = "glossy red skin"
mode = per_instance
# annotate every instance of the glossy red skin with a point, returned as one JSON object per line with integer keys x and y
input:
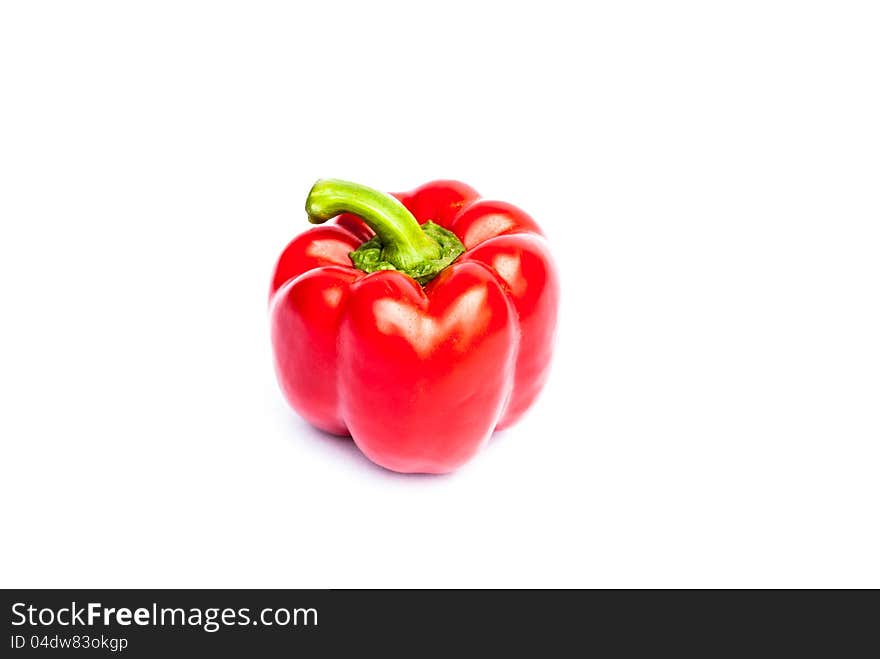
{"x": 419, "y": 377}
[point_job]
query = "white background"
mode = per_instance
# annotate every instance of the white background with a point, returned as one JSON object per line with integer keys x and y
{"x": 707, "y": 174}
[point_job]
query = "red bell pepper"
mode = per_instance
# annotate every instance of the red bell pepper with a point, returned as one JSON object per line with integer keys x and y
{"x": 416, "y": 323}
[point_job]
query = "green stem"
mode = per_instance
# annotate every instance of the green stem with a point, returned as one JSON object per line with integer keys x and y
{"x": 404, "y": 244}
{"x": 421, "y": 251}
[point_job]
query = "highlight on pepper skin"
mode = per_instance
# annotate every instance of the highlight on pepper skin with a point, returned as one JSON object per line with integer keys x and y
{"x": 417, "y": 323}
